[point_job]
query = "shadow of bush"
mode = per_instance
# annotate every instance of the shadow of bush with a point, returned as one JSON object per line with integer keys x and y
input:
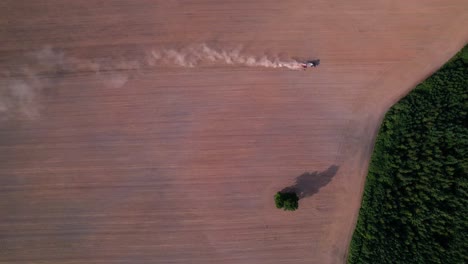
{"x": 309, "y": 183}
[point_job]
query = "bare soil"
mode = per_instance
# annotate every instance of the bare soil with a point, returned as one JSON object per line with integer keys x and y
{"x": 105, "y": 159}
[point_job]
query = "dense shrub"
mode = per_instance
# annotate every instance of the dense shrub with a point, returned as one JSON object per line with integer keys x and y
{"x": 415, "y": 202}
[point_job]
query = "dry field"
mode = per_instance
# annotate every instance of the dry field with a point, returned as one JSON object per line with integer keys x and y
{"x": 108, "y": 156}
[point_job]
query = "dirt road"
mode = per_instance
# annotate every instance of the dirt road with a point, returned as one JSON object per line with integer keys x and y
{"x": 109, "y": 157}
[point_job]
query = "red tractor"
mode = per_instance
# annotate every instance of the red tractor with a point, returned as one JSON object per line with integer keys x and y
{"x": 310, "y": 64}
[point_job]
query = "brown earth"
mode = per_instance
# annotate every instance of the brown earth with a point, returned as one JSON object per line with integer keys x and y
{"x": 128, "y": 163}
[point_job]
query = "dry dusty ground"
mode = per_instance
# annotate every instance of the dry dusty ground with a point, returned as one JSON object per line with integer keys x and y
{"x": 105, "y": 159}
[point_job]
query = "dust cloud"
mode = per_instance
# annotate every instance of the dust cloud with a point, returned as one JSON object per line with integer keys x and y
{"x": 22, "y": 84}
{"x": 202, "y": 54}
{"x": 18, "y": 96}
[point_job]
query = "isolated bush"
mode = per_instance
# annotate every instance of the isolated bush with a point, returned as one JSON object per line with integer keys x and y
{"x": 288, "y": 201}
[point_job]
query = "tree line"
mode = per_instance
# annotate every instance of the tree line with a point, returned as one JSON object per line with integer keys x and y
{"x": 415, "y": 202}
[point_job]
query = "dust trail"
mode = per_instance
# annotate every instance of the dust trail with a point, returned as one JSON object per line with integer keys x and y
{"x": 18, "y": 96}
{"x": 194, "y": 56}
{"x": 22, "y": 83}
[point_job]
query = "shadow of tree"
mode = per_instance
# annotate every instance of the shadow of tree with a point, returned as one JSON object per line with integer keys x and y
{"x": 309, "y": 183}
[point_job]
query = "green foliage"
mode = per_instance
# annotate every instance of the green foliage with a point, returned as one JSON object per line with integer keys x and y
{"x": 288, "y": 201}
{"x": 415, "y": 202}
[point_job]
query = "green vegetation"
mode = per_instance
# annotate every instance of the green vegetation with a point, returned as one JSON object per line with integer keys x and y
{"x": 415, "y": 203}
{"x": 288, "y": 201}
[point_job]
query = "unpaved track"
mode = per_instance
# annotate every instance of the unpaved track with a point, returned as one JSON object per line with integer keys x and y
{"x": 175, "y": 165}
